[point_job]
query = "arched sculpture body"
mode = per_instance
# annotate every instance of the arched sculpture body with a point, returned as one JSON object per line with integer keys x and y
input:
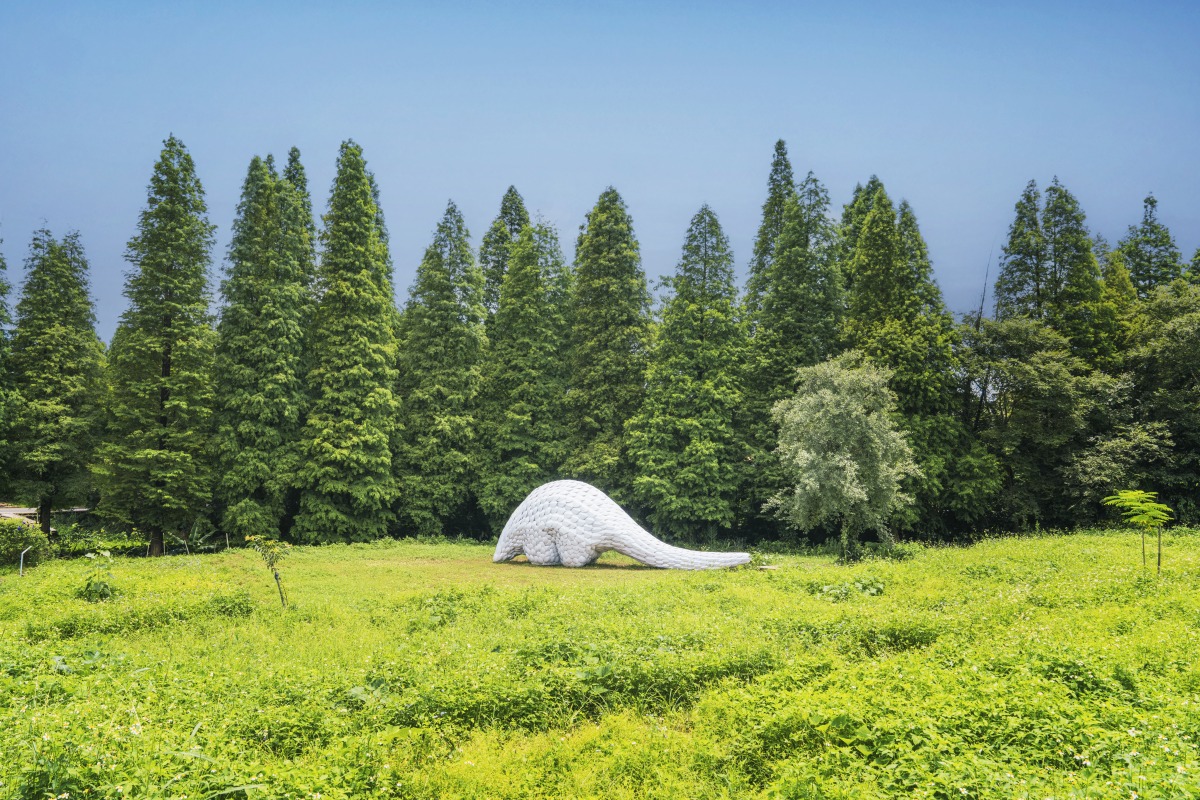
{"x": 572, "y": 523}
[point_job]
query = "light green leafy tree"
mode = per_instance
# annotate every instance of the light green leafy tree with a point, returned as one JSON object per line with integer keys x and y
{"x": 441, "y": 369}
{"x": 345, "y": 465}
{"x": 154, "y": 470}
{"x": 610, "y": 330}
{"x": 258, "y": 368}
{"x": 523, "y": 426}
{"x": 843, "y": 458}
{"x": 683, "y": 441}
{"x": 1143, "y": 511}
{"x": 57, "y": 366}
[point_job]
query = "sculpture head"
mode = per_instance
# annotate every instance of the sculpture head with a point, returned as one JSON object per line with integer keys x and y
{"x": 511, "y": 545}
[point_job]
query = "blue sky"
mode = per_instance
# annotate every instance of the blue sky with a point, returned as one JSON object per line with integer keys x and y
{"x": 954, "y": 105}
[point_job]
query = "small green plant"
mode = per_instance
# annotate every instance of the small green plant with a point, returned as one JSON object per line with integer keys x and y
{"x": 1142, "y": 510}
{"x": 272, "y": 551}
{"x": 98, "y": 584}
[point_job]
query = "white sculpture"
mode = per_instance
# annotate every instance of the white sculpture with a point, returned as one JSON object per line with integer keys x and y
{"x": 572, "y": 523}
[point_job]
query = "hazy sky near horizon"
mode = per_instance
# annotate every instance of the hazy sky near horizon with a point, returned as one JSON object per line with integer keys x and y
{"x": 954, "y": 105}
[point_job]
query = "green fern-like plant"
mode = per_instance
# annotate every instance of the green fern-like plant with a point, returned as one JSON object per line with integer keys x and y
{"x": 1143, "y": 511}
{"x": 272, "y": 551}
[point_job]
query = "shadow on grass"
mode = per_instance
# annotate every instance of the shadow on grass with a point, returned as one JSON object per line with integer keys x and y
{"x": 520, "y": 561}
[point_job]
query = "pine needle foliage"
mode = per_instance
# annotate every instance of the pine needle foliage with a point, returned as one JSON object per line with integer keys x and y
{"x": 683, "y": 441}
{"x": 798, "y": 324}
{"x": 496, "y": 248}
{"x": 1049, "y": 272}
{"x": 345, "y": 472}
{"x": 1021, "y": 287}
{"x": 301, "y": 215}
{"x": 523, "y": 425}
{"x": 259, "y": 379}
{"x": 8, "y": 392}
{"x": 610, "y": 328}
{"x": 854, "y": 214}
{"x": 896, "y": 317}
{"x": 1150, "y": 252}
{"x": 1072, "y": 271}
{"x": 441, "y": 362}
{"x": 781, "y": 188}
{"x": 57, "y": 366}
{"x": 154, "y": 471}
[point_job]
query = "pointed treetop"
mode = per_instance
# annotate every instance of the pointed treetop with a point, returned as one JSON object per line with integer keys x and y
{"x": 916, "y": 255}
{"x": 781, "y": 186}
{"x": 1150, "y": 251}
{"x": 854, "y": 214}
{"x": 497, "y": 245}
{"x": 512, "y": 212}
{"x": 706, "y": 266}
{"x": 873, "y": 263}
{"x": 294, "y": 172}
{"x": 1021, "y": 286}
{"x": 354, "y": 235}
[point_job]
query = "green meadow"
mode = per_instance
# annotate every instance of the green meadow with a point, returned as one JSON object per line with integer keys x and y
{"x": 1052, "y": 666}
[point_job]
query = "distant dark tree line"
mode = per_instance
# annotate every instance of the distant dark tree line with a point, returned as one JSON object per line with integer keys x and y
{"x": 314, "y": 409}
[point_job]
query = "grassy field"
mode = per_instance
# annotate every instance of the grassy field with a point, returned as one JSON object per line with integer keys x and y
{"x": 1036, "y": 667}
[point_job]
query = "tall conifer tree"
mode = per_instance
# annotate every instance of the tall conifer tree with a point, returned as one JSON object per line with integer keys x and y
{"x": 1072, "y": 271}
{"x": 524, "y": 428}
{"x": 57, "y": 365}
{"x": 1021, "y": 287}
{"x": 854, "y": 214}
{"x": 495, "y": 250}
{"x": 259, "y": 380}
{"x": 897, "y": 317}
{"x": 683, "y": 441}
{"x": 1050, "y": 273}
{"x": 798, "y": 325}
{"x": 154, "y": 471}
{"x": 8, "y": 392}
{"x": 1114, "y": 312}
{"x": 345, "y": 474}
{"x": 301, "y": 212}
{"x": 441, "y": 362}
{"x": 781, "y": 188}
{"x": 1150, "y": 252}
{"x": 610, "y": 326}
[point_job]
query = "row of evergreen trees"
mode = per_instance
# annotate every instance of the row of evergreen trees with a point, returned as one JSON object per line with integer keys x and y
{"x": 315, "y": 409}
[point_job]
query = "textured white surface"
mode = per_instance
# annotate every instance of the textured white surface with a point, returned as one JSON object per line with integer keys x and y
{"x": 572, "y": 523}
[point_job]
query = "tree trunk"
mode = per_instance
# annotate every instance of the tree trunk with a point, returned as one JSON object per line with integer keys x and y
{"x": 44, "y": 514}
{"x": 156, "y": 542}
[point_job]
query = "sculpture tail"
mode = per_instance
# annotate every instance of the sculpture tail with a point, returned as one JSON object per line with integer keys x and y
{"x": 656, "y": 553}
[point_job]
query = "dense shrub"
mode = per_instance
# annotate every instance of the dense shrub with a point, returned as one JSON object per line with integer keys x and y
{"x": 15, "y": 536}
